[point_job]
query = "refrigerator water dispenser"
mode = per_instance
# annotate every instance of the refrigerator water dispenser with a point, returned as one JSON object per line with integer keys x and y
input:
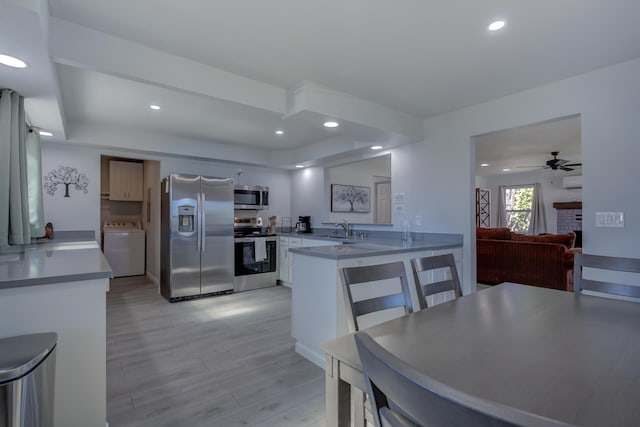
{"x": 186, "y": 218}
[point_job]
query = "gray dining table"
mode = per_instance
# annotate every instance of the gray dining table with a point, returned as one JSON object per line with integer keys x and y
{"x": 569, "y": 357}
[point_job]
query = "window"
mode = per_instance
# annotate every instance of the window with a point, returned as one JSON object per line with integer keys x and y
{"x": 518, "y": 201}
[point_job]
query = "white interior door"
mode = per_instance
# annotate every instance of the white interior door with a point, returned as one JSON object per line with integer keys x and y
{"x": 383, "y": 203}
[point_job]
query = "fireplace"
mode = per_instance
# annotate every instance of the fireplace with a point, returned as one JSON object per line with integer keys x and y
{"x": 578, "y": 242}
{"x": 569, "y": 218}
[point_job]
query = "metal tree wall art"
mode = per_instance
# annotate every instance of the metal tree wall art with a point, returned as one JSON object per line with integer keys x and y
{"x": 65, "y": 175}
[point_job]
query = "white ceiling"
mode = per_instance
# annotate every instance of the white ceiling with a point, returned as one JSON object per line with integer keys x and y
{"x": 233, "y": 72}
{"x": 527, "y": 148}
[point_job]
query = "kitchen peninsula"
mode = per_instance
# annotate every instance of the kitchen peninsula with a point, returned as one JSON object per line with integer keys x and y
{"x": 59, "y": 286}
{"x": 318, "y": 310}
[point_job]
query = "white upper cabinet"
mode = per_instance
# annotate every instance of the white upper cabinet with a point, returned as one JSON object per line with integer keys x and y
{"x": 126, "y": 181}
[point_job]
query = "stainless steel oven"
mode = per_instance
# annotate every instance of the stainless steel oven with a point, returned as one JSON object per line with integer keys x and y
{"x": 256, "y": 262}
{"x": 251, "y": 197}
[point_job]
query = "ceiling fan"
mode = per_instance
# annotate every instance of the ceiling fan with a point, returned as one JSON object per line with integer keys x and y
{"x": 556, "y": 163}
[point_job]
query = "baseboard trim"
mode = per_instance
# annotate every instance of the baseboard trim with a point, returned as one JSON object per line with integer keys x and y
{"x": 312, "y": 356}
{"x": 285, "y": 284}
{"x": 152, "y": 278}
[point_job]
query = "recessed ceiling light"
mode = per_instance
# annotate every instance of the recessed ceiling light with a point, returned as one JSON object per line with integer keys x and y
{"x": 376, "y": 147}
{"x": 496, "y": 25}
{"x": 331, "y": 124}
{"x": 484, "y": 165}
{"x": 45, "y": 133}
{"x": 299, "y": 166}
{"x": 279, "y": 132}
{"x": 12, "y": 62}
{"x": 154, "y": 107}
{"x": 506, "y": 170}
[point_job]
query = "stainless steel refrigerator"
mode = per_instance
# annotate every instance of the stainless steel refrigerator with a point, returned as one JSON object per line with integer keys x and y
{"x": 197, "y": 245}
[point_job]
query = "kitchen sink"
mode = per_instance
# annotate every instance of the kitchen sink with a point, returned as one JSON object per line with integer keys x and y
{"x": 345, "y": 240}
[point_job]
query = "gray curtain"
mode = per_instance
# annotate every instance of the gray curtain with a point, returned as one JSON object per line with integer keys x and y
{"x": 15, "y": 228}
{"x": 501, "y": 220}
{"x": 34, "y": 183}
{"x": 538, "y": 223}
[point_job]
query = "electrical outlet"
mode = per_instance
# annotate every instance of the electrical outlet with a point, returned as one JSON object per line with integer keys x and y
{"x": 418, "y": 220}
{"x": 610, "y": 219}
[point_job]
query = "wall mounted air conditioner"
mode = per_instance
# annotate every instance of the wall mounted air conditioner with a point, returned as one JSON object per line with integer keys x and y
{"x": 572, "y": 181}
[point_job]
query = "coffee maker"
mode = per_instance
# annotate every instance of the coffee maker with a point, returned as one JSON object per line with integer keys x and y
{"x": 303, "y": 225}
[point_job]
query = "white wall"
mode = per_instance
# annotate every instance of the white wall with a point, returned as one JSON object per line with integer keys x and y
{"x": 80, "y": 211}
{"x": 307, "y": 195}
{"x": 438, "y": 174}
{"x": 552, "y": 191}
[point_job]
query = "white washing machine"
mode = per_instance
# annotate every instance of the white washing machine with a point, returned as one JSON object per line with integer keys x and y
{"x": 124, "y": 247}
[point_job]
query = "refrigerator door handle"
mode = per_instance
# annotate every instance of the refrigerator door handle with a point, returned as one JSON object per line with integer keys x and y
{"x": 199, "y": 208}
{"x": 203, "y": 233}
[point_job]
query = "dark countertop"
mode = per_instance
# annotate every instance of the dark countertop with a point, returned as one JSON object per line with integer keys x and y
{"x": 65, "y": 259}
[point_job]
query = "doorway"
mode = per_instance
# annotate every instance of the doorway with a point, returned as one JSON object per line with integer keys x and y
{"x": 546, "y": 153}
{"x": 382, "y": 213}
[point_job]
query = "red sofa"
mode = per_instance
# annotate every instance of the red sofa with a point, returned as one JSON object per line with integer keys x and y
{"x": 545, "y": 260}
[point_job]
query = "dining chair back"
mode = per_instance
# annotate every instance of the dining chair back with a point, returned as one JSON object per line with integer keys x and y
{"x": 425, "y": 264}
{"x": 402, "y": 396}
{"x": 629, "y": 265}
{"x": 351, "y": 276}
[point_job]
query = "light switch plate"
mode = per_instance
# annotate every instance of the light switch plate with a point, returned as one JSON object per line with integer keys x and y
{"x": 398, "y": 197}
{"x": 610, "y": 219}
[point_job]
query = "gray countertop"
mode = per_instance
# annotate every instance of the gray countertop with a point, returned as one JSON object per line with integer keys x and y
{"x": 52, "y": 261}
{"x": 371, "y": 247}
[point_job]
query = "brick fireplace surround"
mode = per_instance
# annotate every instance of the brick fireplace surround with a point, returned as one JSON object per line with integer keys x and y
{"x": 570, "y": 219}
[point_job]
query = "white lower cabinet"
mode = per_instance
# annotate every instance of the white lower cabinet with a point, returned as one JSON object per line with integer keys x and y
{"x": 294, "y": 242}
{"x": 283, "y": 260}
{"x": 307, "y": 243}
{"x": 318, "y": 308}
{"x": 285, "y": 263}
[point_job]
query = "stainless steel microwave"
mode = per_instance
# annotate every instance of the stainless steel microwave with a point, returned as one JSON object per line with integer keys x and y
{"x": 251, "y": 197}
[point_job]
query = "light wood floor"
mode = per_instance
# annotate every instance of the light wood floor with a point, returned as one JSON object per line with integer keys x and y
{"x": 221, "y": 361}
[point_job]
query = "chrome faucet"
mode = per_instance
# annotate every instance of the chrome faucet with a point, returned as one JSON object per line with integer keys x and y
{"x": 345, "y": 226}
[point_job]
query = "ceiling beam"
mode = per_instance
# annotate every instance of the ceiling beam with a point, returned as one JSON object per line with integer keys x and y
{"x": 84, "y": 48}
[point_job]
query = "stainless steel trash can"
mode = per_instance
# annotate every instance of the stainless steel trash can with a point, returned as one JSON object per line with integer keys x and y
{"x": 27, "y": 377}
